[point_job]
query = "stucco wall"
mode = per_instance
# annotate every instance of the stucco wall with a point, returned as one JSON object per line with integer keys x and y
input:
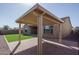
{"x": 56, "y": 30}
{"x": 66, "y": 26}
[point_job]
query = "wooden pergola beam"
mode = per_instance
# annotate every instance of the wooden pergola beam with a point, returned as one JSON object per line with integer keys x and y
{"x": 19, "y": 32}
{"x": 60, "y": 33}
{"x": 40, "y": 33}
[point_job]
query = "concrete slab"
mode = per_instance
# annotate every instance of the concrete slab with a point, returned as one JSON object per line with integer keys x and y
{"x": 25, "y": 44}
{"x": 4, "y": 48}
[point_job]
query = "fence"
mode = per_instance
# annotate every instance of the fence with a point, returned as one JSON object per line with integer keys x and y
{"x": 5, "y": 32}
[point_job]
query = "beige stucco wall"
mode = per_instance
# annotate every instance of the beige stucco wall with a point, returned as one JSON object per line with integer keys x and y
{"x": 66, "y": 28}
{"x": 56, "y": 30}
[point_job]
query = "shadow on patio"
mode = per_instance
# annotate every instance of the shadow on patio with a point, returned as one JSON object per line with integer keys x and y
{"x": 15, "y": 48}
{"x": 49, "y": 49}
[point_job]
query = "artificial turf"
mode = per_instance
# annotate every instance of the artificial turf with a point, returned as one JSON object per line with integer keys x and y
{"x": 15, "y": 37}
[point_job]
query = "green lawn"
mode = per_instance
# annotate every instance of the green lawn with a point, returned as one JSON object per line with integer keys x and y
{"x": 14, "y": 37}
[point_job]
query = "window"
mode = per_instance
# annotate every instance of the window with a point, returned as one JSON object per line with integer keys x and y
{"x": 25, "y": 30}
{"x": 48, "y": 29}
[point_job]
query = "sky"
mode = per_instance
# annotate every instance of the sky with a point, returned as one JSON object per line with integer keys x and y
{"x": 10, "y": 12}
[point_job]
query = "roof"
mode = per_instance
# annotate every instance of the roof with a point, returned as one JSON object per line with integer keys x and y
{"x": 67, "y": 18}
{"x": 41, "y": 9}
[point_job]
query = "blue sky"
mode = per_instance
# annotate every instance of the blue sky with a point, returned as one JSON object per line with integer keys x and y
{"x": 10, "y": 12}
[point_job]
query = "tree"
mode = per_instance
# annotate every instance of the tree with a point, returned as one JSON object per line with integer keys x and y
{"x": 6, "y": 27}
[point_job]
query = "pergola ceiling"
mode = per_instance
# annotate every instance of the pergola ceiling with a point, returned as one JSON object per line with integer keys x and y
{"x": 30, "y": 18}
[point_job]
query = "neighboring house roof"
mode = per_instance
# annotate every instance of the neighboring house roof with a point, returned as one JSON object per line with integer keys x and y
{"x": 77, "y": 28}
{"x": 37, "y": 6}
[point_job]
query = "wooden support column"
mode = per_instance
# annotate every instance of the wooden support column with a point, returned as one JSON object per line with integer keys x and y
{"x": 19, "y": 32}
{"x": 60, "y": 33}
{"x": 40, "y": 33}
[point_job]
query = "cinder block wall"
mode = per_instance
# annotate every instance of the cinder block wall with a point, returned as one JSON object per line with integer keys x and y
{"x": 5, "y": 32}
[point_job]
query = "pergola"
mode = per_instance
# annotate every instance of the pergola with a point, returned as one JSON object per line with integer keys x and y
{"x": 38, "y": 16}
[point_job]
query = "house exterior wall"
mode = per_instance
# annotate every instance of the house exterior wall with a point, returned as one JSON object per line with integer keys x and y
{"x": 67, "y": 27}
{"x": 56, "y": 31}
{"x": 26, "y": 30}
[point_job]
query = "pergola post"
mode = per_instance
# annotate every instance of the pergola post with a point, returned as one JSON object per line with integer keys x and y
{"x": 60, "y": 33}
{"x": 40, "y": 33}
{"x": 19, "y": 32}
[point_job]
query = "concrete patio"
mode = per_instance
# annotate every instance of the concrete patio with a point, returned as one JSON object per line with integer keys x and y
{"x": 50, "y": 49}
{"x": 4, "y": 49}
{"x": 16, "y": 47}
{"x": 69, "y": 46}
{"x": 29, "y": 47}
